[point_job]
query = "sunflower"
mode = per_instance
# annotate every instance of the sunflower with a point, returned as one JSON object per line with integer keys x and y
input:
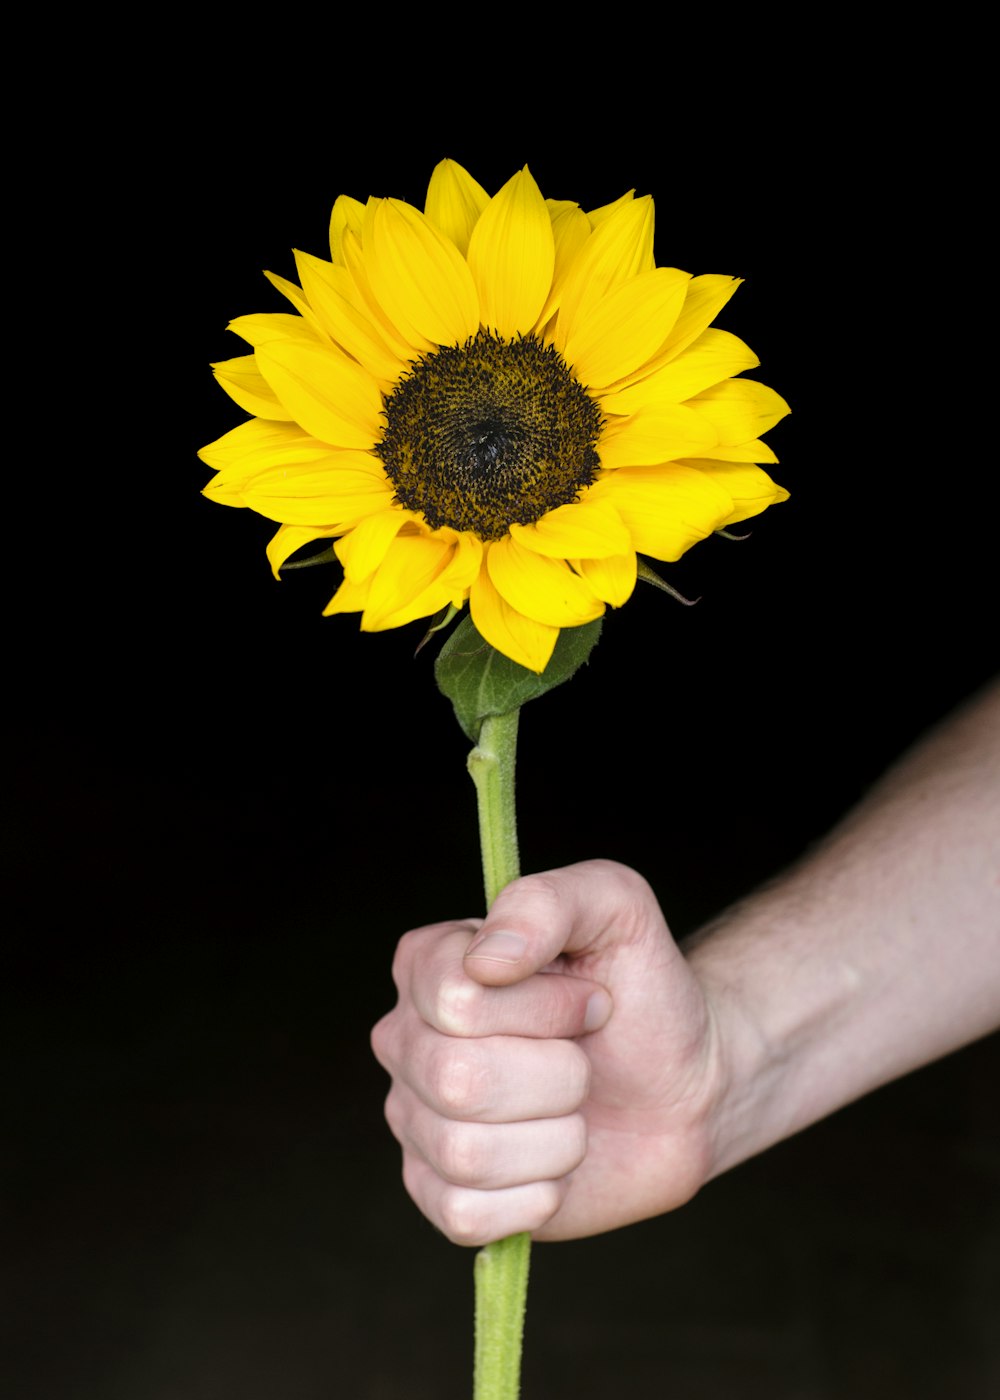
{"x": 499, "y": 401}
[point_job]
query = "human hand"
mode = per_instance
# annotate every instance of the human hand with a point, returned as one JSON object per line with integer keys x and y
{"x": 563, "y": 1084}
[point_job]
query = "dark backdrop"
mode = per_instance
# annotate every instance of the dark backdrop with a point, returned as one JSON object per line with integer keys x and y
{"x": 226, "y": 809}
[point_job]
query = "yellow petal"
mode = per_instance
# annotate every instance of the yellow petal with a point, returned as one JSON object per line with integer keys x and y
{"x": 754, "y": 451}
{"x": 408, "y": 582}
{"x": 464, "y": 567}
{"x": 330, "y": 395}
{"x": 666, "y": 509}
{"x": 618, "y": 250}
{"x": 659, "y": 433}
{"x": 512, "y": 255}
{"x": 363, "y": 550}
{"x": 612, "y": 579}
{"x": 454, "y": 202}
{"x": 262, "y": 443}
{"x": 544, "y": 589}
{"x": 348, "y": 214}
{"x": 626, "y": 327}
{"x": 740, "y": 410}
{"x": 294, "y": 294}
{"x": 706, "y": 297}
{"x": 288, "y": 539}
{"x": 570, "y": 231}
{"x": 751, "y": 489}
{"x": 528, "y": 643}
{"x": 266, "y": 326}
{"x": 245, "y": 385}
{"x": 349, "y": 597}
{"x": 364, "y": 300}
{"x": 418, "y": 275}
{"x": 329, "y": 291}
{"x": 714, "y": 356}
{"x": 332, "y": 494}
{"x": 597, "y": 216}
{"x": 584, "y": 529}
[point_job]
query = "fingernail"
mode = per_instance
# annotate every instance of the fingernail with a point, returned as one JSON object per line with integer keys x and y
{"x": 497, "y": 947}
{"x": 598, "y": 1011}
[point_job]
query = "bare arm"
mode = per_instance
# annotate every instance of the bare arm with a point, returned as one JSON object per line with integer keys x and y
{"x": 878, "y": 953}
{"x": 563, "y": 1067}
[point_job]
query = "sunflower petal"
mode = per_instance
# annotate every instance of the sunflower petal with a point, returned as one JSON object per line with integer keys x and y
{"x": 619, "y": 249}
{"x": 295, "y": 295}
{"x": 419, "y": 277}
{"x": 714, "y": 356}
{"x": 407, "y": 584}
{"x": 585, "y": 529}
{"x": 740, "y": 410}
{"x": 454, "y": 202}
{"x": 525, "y": 641}
{"x": 262, "y": 443}
{"x": 612, "y": 579}
{"x": 349, "y": 597}
{"x": 288, "y": 539}
{"x": 363, "y": 550}
{"x": 318, "y": 494}
{"x": 512, "y": 255}
{"x": 329, "y": 291}
{"x": 626, "y": 327}
{"x": 266, "y": 326}
{"x": 365, "y": 301}
{"x": 658, "y": 433}
{"x": 544, "y": 589}
{"x": 570, "y": 231}
{"x": 706, "y": 297}
{"x": 598, "y": 215}
{"x": 464, "y": 567}
{"x": 348, "y": 214}
{"x": 330, "y": 395}
{"x": 751, "y": 489}
{"x": 243, "y": 382}
{"x": 754, "y": 451}
{"x": 666, "y": 509}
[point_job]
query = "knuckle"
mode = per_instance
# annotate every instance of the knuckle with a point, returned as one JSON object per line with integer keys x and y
{"x": 459, "y": 1080}
{"x": 401, "y": 960}
{"x": 412, "y": 1182}
{"x": 462, "y": 1216}
{"x": 578, "y": 1071}
{"x": 458, "y": 1003}
{"x": 394, "y": 1116}
{"x": 541, "y": 889}
{"x": 632, "y": 884}
{"x": 461, "y": 1158}
{"x": 574, "y": 1140}
{"x": 382, "y": 1038}
{"x": 547, "y": 1197}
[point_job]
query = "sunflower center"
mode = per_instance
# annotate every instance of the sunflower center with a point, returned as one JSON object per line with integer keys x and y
{"x": 490, "y": 434}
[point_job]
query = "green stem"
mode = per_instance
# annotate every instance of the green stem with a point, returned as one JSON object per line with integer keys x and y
{"x": 491, "y": 764}
{"x": 501, "y": 1271}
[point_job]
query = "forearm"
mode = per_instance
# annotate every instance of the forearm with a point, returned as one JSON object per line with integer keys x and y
{"x": 878, "y": 953}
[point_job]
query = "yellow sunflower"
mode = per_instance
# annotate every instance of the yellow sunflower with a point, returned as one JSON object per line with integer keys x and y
{"x": 496, "y": 400}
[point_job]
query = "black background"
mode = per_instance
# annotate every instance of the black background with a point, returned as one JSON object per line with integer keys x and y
{"x": 226, "y": 808}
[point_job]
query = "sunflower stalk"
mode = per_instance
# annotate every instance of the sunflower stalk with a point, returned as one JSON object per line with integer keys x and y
{"x": 491, "y": 764}
{"x": 501, "y": 1269}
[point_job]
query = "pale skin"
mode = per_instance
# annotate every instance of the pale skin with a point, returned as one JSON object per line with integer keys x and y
{"x": 564, "y": 1067}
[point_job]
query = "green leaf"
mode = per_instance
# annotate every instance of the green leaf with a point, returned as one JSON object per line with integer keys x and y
{"x": 480, "y": 681}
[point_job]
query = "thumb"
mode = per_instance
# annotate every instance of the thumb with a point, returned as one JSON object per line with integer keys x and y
{"x": 577, "y": 910}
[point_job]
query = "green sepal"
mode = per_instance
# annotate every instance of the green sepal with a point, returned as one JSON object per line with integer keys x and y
{"x": 649, "y": 575}
{"x": 325, "y": 556}
{"x": 480, "y": 681}
{"x": 438, "y": 625}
